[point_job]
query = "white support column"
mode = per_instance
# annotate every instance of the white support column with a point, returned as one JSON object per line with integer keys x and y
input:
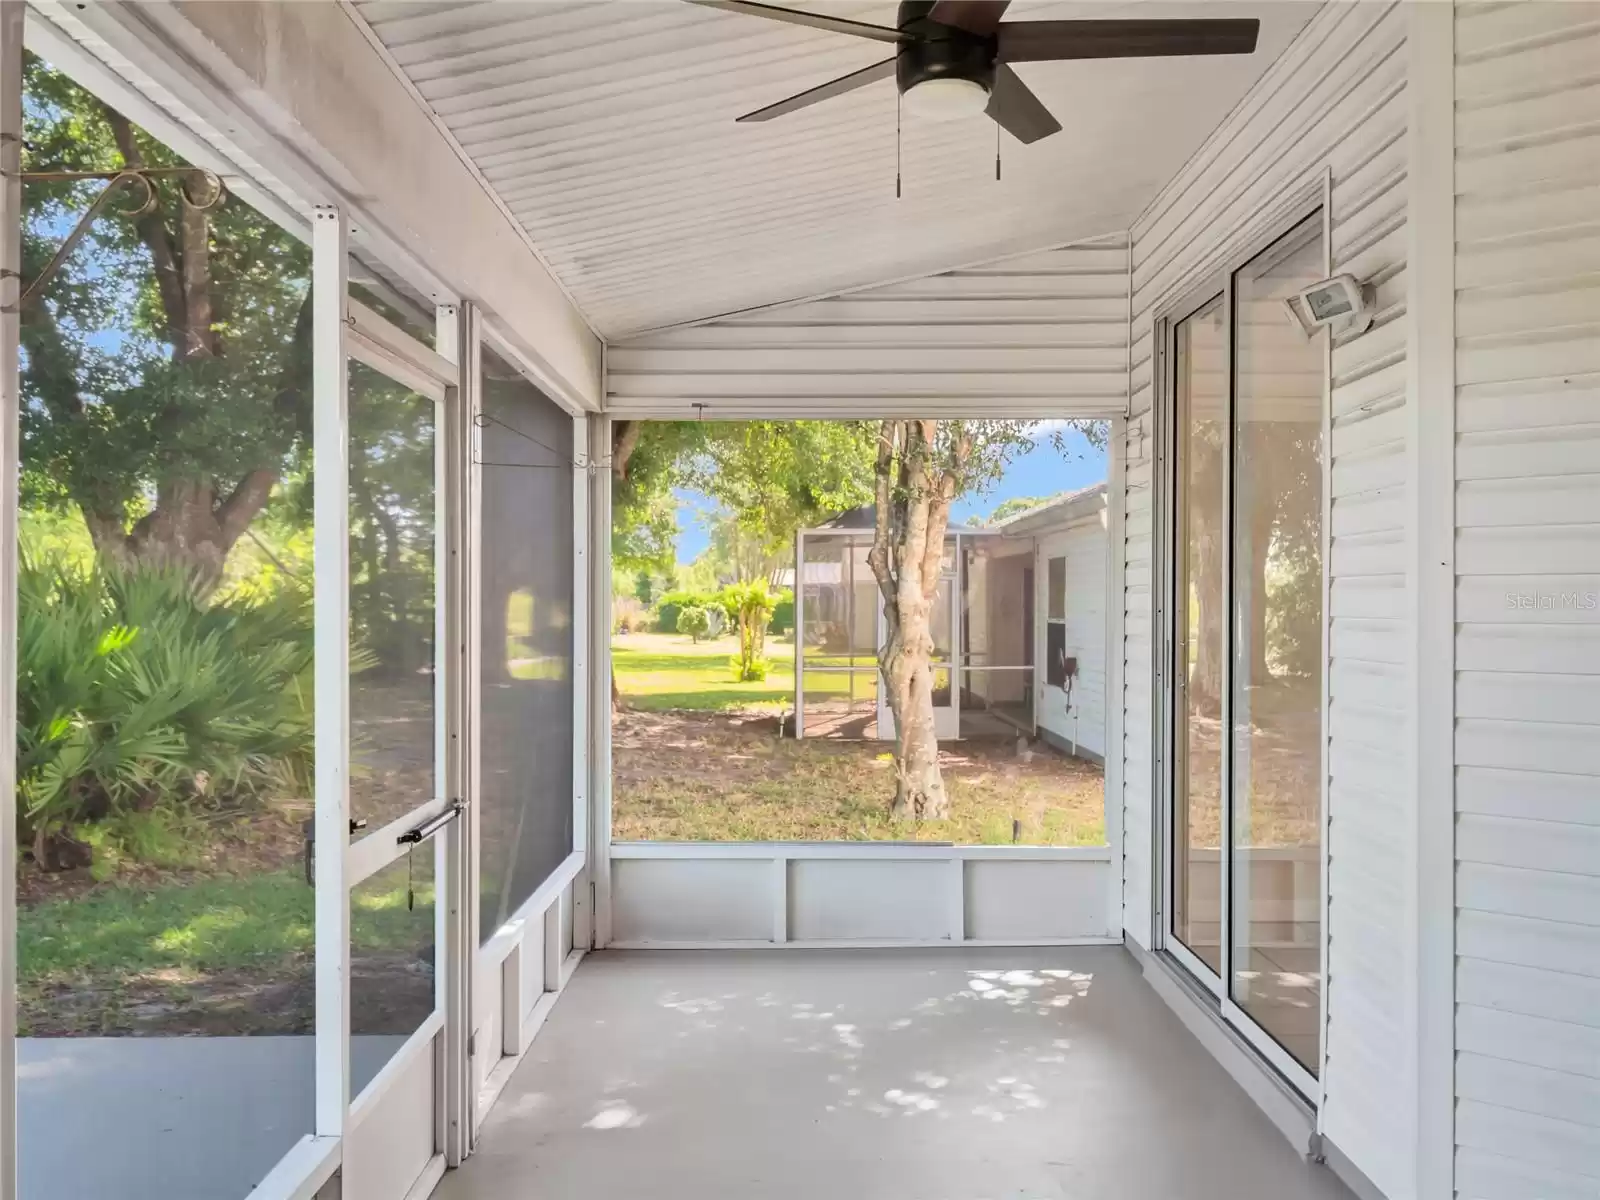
{"x": 10, "y": 454}
{"x": 331, "y": 557}
{"x": 455, "y": 861}
{"x": 799, "y": 645}
{"x": 1430, "y": 585}
{"x": 599, "y": 540}
{"x": 582, "y": 683}
{"x": 1116, "y": 611}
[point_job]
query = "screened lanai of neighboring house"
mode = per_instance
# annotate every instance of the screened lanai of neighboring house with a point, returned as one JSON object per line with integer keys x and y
{"x": 350, "y": 308}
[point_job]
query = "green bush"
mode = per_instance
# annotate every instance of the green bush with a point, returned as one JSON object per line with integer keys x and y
{"x": 694, "y": 620}
{"x": 754, "y": 671}
{"x": 134, "y": 695}
{"x": 671, "y": 605}
{"x": 782, "y": 613}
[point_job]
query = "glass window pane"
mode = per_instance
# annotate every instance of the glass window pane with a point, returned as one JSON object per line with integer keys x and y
{"x": 1057, "y": 582}
{"x": 377, "y": 290}
{"x": 393, "y": 738}
{"x": 1276, "y": 744}
{"x": 165, "y": 966}
{"x": 392, "y": 960}
{"x": 525, "y": 615}
{"x": 1201, "y": 629}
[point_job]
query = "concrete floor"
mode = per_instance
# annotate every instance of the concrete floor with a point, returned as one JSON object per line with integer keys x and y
{"x": 166, "y": 1118}
{"x": 866, "y": 1075}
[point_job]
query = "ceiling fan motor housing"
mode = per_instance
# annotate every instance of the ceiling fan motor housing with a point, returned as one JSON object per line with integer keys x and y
{"x": 940, "y": 51}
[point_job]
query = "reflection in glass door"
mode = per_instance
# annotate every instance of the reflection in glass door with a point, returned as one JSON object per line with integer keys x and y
{"x": 1201, "y": 375}
{"x": 1247, "y": 626}
{"x": 1275, "y": 873}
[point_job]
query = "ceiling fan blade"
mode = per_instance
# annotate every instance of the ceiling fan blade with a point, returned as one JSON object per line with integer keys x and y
{"x": 824, "y": 91}
{"x": 1053, "y": 41}
{"x": 793, "y": 16}
{"x": 975, "y": 16}
{"x": 1017, "y": 110}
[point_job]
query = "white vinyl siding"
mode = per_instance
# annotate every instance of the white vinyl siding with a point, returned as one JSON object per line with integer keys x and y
{"x": 1528, "y": 568}
{"x": 1045, "y": 334}
{"x": 1083, "y": 725}
{"x": 1334, "y": 103}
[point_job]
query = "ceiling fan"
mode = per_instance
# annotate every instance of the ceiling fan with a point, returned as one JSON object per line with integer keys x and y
{"x": 953, "y": 56}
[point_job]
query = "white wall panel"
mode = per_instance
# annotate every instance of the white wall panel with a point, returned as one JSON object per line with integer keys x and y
{"x": 660, "y": 901}
{"x": 1082, "y": 723}
{"x": 834, "y": 900}
{"x": 1334, "y": 105}
{"x": 1044, "y": 334}
{"x": 1528, "y": 600}
{"x": 386, "y": 1152}
{"x": 1024, "y": 901}
{"x": 859, "y": 893}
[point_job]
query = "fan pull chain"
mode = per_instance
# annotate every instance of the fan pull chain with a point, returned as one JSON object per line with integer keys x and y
{"x": 997, "y": 151}
{"x": 897, "y": 106}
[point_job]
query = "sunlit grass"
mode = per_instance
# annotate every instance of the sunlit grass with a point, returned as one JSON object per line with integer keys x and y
{"x": 265, "y": 923}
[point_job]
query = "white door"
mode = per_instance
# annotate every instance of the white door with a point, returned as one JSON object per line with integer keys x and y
{"x": 389, "y": 842}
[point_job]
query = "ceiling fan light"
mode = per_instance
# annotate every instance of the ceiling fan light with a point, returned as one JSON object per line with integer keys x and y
{"x": 947, "y": 98}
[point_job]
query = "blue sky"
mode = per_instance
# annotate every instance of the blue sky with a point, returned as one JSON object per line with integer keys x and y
{"x": 1043, "y": 471}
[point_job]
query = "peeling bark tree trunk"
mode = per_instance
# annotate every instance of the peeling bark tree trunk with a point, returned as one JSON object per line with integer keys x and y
{"x": 913, "y": 494}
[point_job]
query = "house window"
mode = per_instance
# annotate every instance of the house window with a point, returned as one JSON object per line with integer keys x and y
{"x": 1055, "y": 647}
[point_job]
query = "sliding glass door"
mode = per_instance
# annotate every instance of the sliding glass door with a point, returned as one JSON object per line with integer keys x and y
{"x": 1246, "y": 629}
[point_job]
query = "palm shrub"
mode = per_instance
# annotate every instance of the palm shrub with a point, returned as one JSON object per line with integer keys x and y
{"x": 749, "y": 606}
{"x": 135, "y": 694}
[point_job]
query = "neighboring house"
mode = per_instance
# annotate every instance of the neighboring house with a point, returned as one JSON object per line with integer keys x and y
{"x": 1026, "y": 642}
{"x": 1067, "y": 616}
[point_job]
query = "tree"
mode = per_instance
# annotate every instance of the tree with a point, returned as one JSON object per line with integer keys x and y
{"x": 643, "y": 587}
{"x": 920, "y": 467}
{"x": 167, "y": 364}
{"x": 774, "y": 478}
{"x": 749, "y": 606}
{"x": 695, "y": 621}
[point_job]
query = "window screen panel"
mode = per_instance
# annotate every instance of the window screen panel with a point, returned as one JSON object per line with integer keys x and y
{"x": 525, "y": 447}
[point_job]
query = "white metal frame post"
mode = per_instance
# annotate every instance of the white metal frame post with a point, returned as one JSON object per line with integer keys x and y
{"x": 1116, "y": 700}
{"x": 11, "y": 22}
{"x": 599, "y": 539}
{"x": 456, "y": 558}
{"x": 331, "y": 558}
{"x": 583, "y": 470}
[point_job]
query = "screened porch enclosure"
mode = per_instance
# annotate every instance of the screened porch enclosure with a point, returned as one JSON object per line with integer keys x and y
{"x": 372, "y": 297}
{"x": 999, "y": 609}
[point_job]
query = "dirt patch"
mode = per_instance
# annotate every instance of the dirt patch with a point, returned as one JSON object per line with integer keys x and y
{"x": 692, "y": 776}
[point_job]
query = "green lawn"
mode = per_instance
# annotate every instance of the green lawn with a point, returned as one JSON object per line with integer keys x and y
{"x": 82, "y": 961}
{"x": 658, "y": 672}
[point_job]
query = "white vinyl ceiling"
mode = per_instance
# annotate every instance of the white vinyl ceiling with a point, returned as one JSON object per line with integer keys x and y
{"x": 608, "y": 131}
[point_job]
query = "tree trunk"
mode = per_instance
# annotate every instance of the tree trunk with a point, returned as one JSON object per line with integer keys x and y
{"x": 188, "y": 529}
{"x": 912, "y": 513}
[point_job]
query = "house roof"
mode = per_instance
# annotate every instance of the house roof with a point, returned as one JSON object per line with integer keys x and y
{"x": 1059, "y": 510}
{"x": 864, "y": 518}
